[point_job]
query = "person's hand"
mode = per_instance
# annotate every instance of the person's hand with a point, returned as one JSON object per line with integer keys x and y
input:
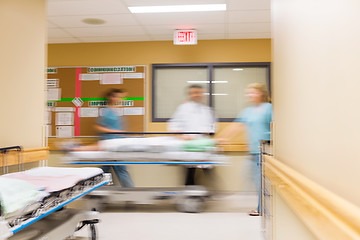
{"x": 185, "y": 137}
{"x": 221, "y": 141}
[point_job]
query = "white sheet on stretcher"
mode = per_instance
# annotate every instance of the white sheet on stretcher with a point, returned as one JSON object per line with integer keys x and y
{"x": 15, "y": 194}
{"x": 147, "y": 156}
{"x": 150, "y": 144}
{"x": 52, "y": 179}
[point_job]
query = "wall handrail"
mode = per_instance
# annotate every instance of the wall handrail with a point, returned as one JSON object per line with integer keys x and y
{"x": 327, "y": 215}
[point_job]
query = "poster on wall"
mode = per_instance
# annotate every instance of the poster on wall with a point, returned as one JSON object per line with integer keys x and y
{"x": 64, "y": 131}
{"x": 111, "y": 78}
{"x": 89, "y": 112}
{"x": 64, "y": 118}
{"x": 53, "y": 94}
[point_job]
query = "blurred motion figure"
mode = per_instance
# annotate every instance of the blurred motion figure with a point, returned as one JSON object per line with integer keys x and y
{"x": 110, "y": 122}
{"x": 193, "y": 116}
{"x": 256, "y": 121}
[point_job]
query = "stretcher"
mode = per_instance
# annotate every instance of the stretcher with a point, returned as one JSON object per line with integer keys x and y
{"x": 187, "y": 198}
{"x": 33, "y": 202}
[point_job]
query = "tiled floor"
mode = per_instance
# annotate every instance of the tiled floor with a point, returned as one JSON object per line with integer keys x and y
{"x": 225, "y": 218}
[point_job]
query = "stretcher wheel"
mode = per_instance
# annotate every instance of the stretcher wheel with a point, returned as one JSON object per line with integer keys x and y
{"x": 192, "y": 204}
{"x": 93, "y": 231}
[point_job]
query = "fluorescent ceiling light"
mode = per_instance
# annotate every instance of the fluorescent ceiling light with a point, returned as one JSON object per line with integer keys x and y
{"x": 238, "y": 69}
{"x": 207, "y": 81}
{"x": 178, "y": 8}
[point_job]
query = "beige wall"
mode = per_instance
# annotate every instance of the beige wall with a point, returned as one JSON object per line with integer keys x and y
{"x": 316, "y": 91}
{"x": 22, "y": 63}
{"x": 233, "y": 177}
{"x": 147, "y": 53}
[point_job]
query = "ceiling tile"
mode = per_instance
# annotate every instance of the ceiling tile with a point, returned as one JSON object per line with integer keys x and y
{"x": 211, "y": 36}
{"x": 63, "y": 40}
{"x": 110, "y": 20}
{"x": 116, "y": 39}
{"x": 249, "y": 27}
{"x": 70, "y": 7}
{"x": 249, "y": 35}
{"x": 249, "y": 16}
{"x": 58, "y": 33}
{"x": 248, "y": 4}
{"x": 106, "y": 31}
{"x": 51, "y": 25}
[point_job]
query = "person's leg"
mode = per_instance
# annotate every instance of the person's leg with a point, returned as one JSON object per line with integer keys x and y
{"x": 256, "y": 176}
{"x": 105, "y": 168}
{"x": 190, "y": 176}
{"x": 123, "y": 176}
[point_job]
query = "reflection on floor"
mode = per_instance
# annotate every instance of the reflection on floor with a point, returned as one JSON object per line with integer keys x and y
{"x": 225, "y": 218}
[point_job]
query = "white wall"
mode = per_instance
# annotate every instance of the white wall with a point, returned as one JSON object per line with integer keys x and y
{"x": 316, "y": 51}
{"x": 22, "y": 64}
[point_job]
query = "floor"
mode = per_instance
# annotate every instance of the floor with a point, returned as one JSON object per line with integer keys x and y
{"x": 225, "y": 218}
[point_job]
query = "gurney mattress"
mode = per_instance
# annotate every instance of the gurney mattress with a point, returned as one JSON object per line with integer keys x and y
{"x": 42, "y": 188}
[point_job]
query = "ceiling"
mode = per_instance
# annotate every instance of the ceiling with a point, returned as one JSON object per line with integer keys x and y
{"x": 243, "y": 19}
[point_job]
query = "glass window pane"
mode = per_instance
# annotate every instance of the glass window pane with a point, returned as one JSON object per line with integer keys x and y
{"x": 229, "y": 85}
{"x": 170, "y": 87}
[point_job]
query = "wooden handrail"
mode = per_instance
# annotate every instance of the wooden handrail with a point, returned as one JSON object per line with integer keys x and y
{"x": 326, "y": 214}
{"x": 28, "y": 155}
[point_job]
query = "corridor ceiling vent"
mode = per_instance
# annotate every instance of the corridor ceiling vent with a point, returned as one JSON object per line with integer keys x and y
{"x": 178, "y": 8}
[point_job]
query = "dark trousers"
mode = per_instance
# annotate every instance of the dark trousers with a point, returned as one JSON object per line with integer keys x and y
{"x": 190, "y": 175}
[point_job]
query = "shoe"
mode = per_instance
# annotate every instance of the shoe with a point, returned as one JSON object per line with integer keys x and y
{"x": 254, "y": 213}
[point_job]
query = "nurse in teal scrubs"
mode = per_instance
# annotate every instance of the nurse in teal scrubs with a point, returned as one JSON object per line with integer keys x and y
{"x": 110, "y": 122}
{"x": 256, "y": 121}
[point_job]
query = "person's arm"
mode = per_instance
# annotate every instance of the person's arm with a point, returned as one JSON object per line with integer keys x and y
{"x": 101, "y": 129}
{"x": 229, "y": 132}
{"x": 232, "y": 130}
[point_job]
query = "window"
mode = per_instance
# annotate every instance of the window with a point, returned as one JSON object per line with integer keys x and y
{"x": 224, "y": 84}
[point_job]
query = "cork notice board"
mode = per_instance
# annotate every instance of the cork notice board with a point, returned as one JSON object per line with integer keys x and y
{"x": 76, "y": 98}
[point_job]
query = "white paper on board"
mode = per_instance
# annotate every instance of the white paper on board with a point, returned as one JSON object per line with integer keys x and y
{"x": 64, "y": 131}
{"x": 54, "y": 94}
{"x": 52, "y": 83}
{"x": 134, "y": 111}
{"x": 118, "y": 111}
{"x": 48, "y": 117}
{"x": 48, "y": 131}
{"x": 132, "y": 75}
{"x": 90, "y": 76}
{"x": 64, "y": 118}
{"x": 111, "y": 78}
{"x": 89, "y": 112}
{"x": 64, "y": 109}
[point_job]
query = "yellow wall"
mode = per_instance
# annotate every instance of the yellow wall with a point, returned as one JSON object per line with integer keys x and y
{"x": 316, "y": 91}
{"x": 147, "y": 53}
{"x": 22, "y": 64}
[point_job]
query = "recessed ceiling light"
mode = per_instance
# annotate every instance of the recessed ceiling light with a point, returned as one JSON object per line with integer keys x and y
{"x": 178, "y": 8}
{"x": 93, "y": 21}
{"x": 238, "y": 69}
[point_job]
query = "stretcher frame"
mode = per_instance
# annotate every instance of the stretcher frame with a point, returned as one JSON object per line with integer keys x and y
{"x": 189, "y": 199}
{"x": 60, "y": 229}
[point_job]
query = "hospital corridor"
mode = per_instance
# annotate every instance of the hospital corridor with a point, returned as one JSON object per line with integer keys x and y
{"x": 173, "y": 120}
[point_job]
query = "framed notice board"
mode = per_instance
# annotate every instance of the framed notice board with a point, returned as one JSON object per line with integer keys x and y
{"x": 76, "y": 98}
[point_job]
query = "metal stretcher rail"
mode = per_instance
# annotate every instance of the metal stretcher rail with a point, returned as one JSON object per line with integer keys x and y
{"x": 149, "y": 163}
{"x": 165, "y": 133}
{"x": 33, "y": 220}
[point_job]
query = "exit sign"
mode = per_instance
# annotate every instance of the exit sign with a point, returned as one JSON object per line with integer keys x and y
{"x": 185, "y": 37}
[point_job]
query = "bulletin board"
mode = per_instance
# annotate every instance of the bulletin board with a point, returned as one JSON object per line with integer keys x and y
{"x": 76, "y": 98}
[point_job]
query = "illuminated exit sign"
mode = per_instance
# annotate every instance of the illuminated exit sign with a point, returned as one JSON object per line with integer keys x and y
{"x": 185, "y": 37}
